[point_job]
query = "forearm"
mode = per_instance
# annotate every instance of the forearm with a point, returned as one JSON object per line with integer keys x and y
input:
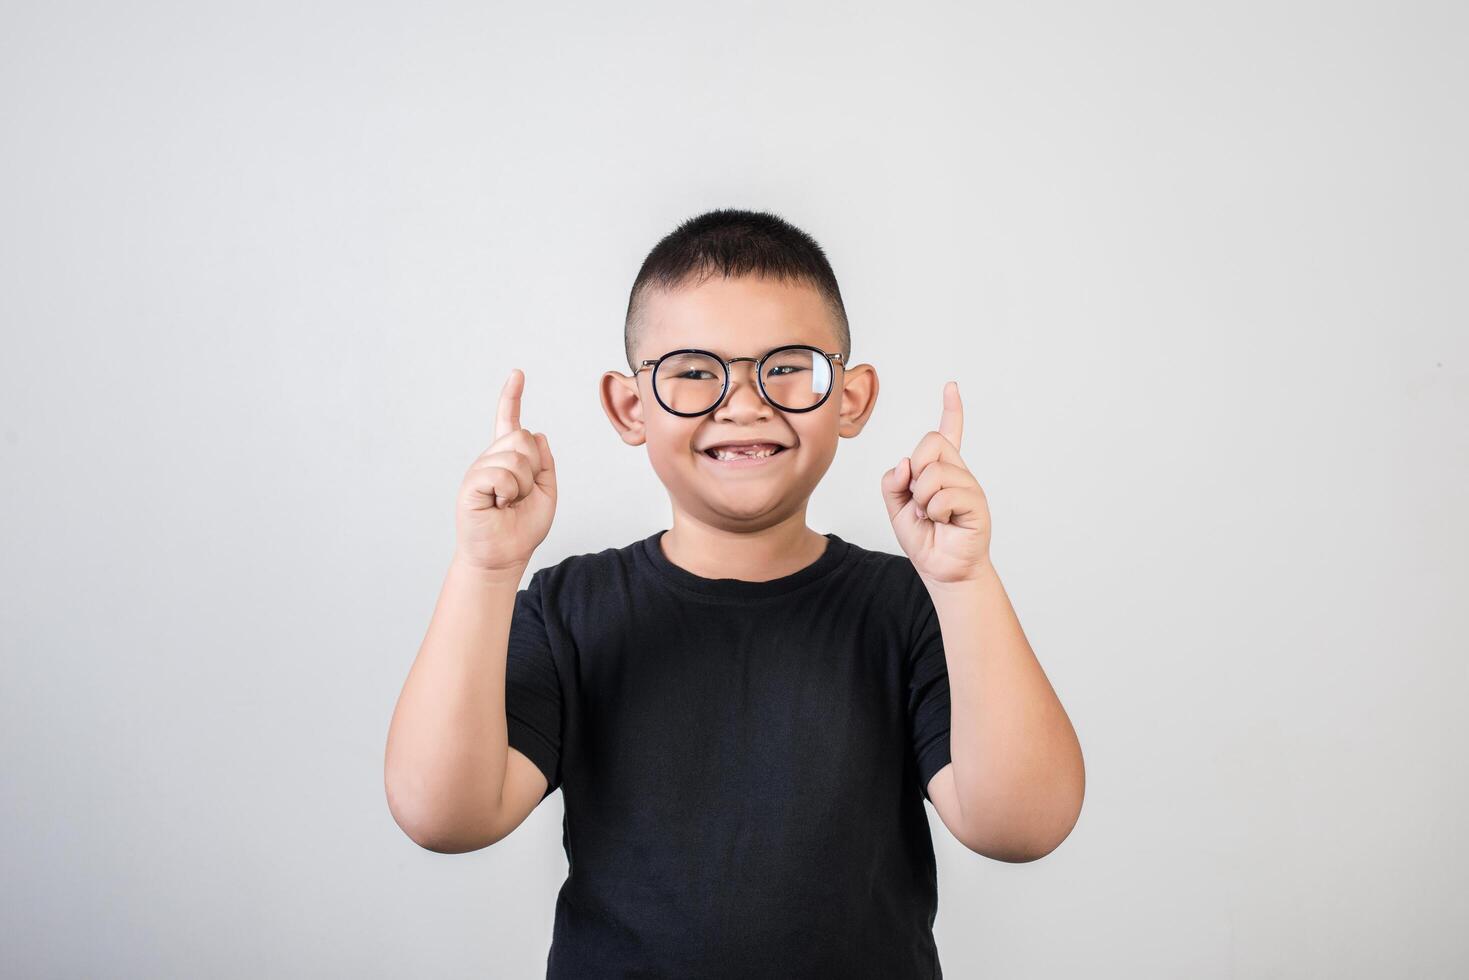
{"x": 1017, "y": 764}
{"x": 447, "y": 746}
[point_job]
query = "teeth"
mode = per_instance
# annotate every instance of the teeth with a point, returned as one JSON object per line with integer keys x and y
{"x": 728, "y": 454}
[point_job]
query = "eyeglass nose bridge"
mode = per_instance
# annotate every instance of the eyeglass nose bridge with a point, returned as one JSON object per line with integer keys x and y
{"x": 729, "y": 367}
{"x": 729, "y": 382}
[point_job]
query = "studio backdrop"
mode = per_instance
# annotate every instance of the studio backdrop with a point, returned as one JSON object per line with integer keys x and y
{"x": 1199, "y": 270}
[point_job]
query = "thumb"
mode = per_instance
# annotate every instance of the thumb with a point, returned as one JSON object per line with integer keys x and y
{"x": 546, "y": 476}
{"x": 895, "y": 482}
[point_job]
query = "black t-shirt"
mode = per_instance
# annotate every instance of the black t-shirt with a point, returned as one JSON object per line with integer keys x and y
{"x": 743, "y": 764}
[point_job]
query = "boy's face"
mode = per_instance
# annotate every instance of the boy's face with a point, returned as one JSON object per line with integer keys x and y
{"x": 747, "y": 316}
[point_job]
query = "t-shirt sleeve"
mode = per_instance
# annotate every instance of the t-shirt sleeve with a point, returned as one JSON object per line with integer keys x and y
{"x": 928, "y": 689}
{"x": 532, "y": 687}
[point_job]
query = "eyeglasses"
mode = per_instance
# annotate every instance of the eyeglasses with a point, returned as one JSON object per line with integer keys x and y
{"x": 793, "y": 378}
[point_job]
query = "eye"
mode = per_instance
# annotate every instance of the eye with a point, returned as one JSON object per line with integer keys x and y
{"x": 688, "y": 375}
{"x": 782, "y": 370}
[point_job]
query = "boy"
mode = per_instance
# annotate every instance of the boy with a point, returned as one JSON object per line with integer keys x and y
{"x": 744, "y": 714}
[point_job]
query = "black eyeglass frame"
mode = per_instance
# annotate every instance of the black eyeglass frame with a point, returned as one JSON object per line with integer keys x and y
{"x": 831, "y": 358}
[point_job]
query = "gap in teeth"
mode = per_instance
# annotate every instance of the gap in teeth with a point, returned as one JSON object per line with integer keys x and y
{"x": 743, "y": 454}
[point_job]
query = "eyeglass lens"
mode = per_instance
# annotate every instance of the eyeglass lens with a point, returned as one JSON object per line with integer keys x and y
{"x": 795, "y": 379}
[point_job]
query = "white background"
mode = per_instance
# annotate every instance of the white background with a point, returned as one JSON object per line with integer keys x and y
{"x": 1199, "y": 270}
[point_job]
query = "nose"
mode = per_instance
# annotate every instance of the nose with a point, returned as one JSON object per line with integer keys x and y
{"x": 743, "y": 399}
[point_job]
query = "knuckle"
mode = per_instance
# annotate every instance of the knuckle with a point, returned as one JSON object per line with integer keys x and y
{"x": 486, "y": 475}
{"x": 488, "y": 461}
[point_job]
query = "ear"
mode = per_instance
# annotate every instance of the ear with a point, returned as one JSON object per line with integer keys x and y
{"x": 858, "y": 399}
{"x": 623, "y": 403}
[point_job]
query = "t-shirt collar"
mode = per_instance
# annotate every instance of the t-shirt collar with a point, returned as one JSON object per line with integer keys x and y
{"x": 650, "y": 549}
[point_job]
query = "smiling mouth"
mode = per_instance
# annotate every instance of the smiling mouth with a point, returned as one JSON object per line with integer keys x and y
{"x": 719, "y": 453}
{"x": 743, "y": 456}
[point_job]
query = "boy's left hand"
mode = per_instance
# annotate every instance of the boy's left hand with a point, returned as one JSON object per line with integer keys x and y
{"x": 939, "y": 512}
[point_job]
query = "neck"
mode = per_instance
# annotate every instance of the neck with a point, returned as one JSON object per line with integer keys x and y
{"x": 753, "y": 555}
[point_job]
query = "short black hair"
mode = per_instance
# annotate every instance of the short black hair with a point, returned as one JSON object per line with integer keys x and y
{"x": 732, "y": 242}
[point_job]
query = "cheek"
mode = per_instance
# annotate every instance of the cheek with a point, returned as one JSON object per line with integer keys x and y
{"x": 669, "y": 444}
{"x": 819, "y": 434}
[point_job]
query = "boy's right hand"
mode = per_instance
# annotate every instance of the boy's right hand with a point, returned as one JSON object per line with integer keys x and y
{"x": 508, "y": 496}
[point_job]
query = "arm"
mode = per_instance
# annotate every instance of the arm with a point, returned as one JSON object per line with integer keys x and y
{"x": 1014, "y": 784}
{"x": 1014, "y": 788}
{"x": 453, "y": 783}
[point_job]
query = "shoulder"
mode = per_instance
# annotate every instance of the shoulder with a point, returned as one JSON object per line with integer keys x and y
{"x": 892, "y": 590}
{"x": 583, "y": 574}
{"x": 891, "y": 572}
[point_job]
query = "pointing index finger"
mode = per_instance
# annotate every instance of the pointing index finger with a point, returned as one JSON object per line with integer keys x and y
{"x": 507, "y": 418}
{"x": 951, "y": 424}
